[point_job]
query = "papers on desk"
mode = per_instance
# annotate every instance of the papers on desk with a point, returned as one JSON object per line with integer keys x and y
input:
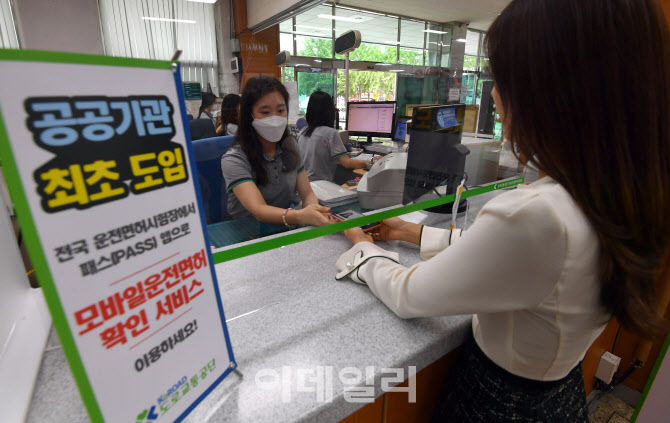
{"x": 333, "y": 195}
{"x": 379, "y": 149}
{"x": 364, "y": 156}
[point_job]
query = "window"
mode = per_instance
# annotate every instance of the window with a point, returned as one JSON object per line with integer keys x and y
{"x": 310, "y": 82}
{"x": 314, "y": 33}
{"x": 470, "y": 63}
{"x": 286, "y": 36}
{"x": 472, "y": 43}
{"x": 8, "y": 38}
{"x": 311, "y": 34}
{"x": 412, "y": 38}
{"x": 364, "y": 86}
{"x": 411, "y": 56}
{"x": 437, "y": 40}
{"x": 379, "y": 34}
{"x": 373, "y": 53}
{"x": 154, "y": 29}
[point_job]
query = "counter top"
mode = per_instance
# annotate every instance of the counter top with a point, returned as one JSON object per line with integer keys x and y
{"x": 286, "y": 312}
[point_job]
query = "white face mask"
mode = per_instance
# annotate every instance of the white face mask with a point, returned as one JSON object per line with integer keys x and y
{"x": 270, "y": 128}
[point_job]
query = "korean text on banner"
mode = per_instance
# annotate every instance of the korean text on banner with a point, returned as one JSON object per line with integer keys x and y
{"x": 96, "y": 156}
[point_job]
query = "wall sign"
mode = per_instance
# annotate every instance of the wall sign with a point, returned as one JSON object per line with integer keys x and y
{"x": 192, "y": 90}
{"x": 95, "y": 153}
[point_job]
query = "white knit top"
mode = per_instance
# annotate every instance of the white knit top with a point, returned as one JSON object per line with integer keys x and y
{"x": 526, "y": 270}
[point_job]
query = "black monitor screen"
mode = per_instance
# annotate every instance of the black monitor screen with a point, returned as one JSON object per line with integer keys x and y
{"x": 400, "y": 129}
{"x": 374, "y": 118}
{"x": 435, "y": 154}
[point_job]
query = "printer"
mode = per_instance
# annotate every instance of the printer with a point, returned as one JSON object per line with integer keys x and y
{"x": 384, "y": 184}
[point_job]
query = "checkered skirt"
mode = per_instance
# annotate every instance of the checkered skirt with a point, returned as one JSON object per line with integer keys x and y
{"x": 478, "y": 390}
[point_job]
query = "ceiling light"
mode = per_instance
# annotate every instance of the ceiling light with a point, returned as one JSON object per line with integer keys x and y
{"x": 383, "y": 64}
{"x": 432, "y": 31}
{"x": 396, "y": 70}
{"x": 147, "y": 18}
{"x": 461, "y": 40}
{"x": 301, "y": 64}
{"x": 341, "y": 18}
{"x": 317, "y": 60}
{"x": 203, "y": 1}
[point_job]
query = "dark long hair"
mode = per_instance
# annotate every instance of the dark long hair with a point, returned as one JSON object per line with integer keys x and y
{"x": 207, "y": 100}
{"x": 229, "y": 110}
{"x": 246, "y": 135}
{"x": 320, "y": 111}
{"x": 585, "y": 86}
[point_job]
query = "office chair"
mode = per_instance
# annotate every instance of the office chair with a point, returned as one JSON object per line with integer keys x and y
{"x": 207, "y": 153}
{"x": 201, "y": 128}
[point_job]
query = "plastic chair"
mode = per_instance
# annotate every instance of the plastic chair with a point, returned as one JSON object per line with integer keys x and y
{"x": 207, "y": 153}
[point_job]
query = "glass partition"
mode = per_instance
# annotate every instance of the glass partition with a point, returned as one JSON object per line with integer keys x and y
{"x": 421, "y": 52}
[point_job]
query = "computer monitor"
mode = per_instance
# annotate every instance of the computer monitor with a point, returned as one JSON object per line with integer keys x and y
{"x": 371, "y": 118}
{"x": 401, "y": 128}
{"x": 435, "y": 154}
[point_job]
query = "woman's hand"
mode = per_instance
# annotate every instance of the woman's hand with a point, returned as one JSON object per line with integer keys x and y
{"x": 314, "y": 214}
{"x": 396, "y": 229}
{"x": 357, "y": 235}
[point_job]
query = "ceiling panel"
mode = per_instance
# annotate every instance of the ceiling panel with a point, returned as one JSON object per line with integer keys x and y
{"x": 478, "y": 13}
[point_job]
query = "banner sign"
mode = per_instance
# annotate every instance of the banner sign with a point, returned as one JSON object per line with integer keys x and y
{"x": 96, "y": 155}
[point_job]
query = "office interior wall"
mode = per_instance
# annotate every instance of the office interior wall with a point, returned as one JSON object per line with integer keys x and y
{"x": 257, "y": 51}
{"x": 154, "y": 29}
{"x": 59, "y": 25}
{"x": 224, "y": 32}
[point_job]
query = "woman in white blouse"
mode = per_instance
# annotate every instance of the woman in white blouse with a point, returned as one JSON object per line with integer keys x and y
{"x": 544, "y": 267}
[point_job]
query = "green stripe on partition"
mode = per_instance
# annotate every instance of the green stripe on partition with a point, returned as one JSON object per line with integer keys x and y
{"x": 270, "y": 244}
{"x": 81, "y": 59}
{"x": 650, "y": 381}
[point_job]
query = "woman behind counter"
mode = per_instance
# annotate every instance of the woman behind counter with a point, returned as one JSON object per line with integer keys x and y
{"x": 263, "y": 169}
{"x": 206, "y": 106}
{"x": 228, "y": 122}
{"x": 320, "y": 144}
{"x": 545, "y": 266}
